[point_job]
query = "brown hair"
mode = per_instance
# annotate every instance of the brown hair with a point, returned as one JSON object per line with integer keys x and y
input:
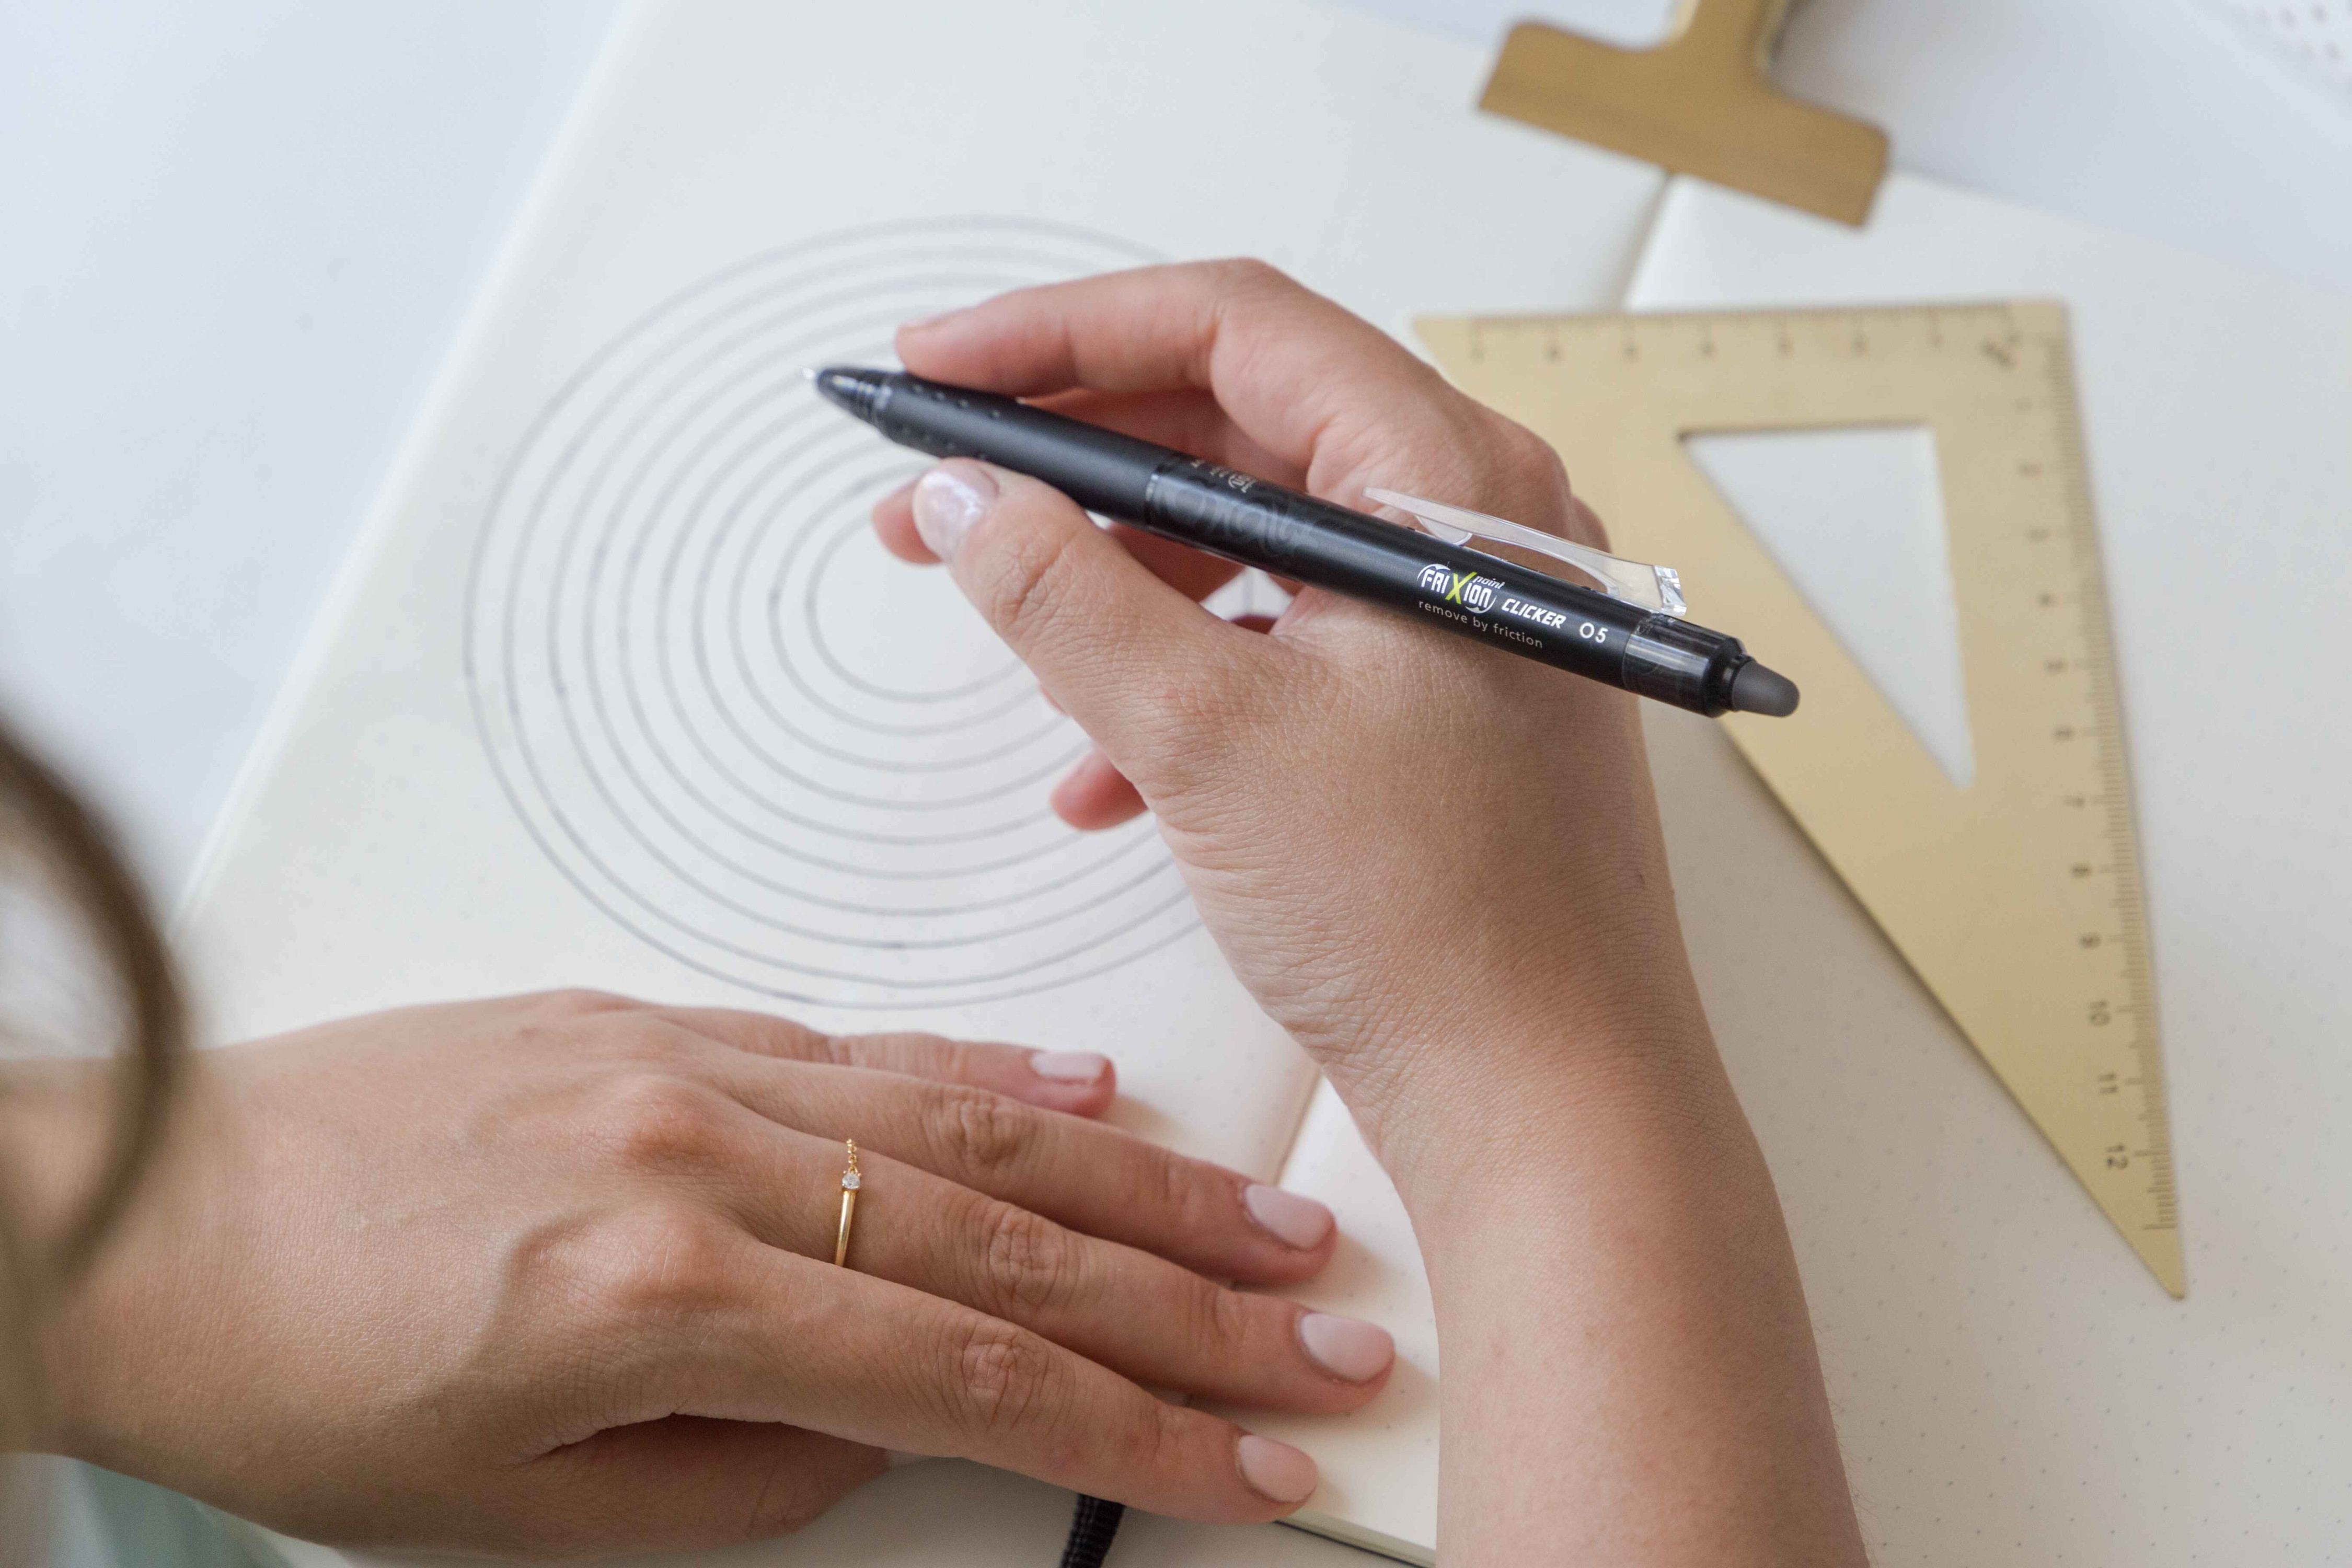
{"x": 45, "y": 827}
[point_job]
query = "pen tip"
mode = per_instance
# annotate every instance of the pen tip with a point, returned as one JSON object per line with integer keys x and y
{"x": 859, "y": 392}
{"x": 1757, "y": 689}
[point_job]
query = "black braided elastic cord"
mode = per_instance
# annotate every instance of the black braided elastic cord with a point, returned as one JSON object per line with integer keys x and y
{"x": 1091, "y": 1530}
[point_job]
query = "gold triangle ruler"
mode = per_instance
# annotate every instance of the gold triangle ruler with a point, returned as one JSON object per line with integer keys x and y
{"x": 2016, "y": 899}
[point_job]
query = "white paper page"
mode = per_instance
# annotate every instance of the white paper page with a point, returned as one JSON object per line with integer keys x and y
{"x": 621, "y": 692}
{"x": 1379, "y": 1465}
{"x": 2010, "y": 1383}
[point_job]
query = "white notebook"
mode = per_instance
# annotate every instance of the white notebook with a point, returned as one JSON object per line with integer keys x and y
{"x": 619, "y": 691}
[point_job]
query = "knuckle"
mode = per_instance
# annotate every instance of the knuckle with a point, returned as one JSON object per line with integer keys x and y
{"x": 1525, "y": 456}
{"x": 788, "y": 1501}
{"x": 572, "y": 1003}
{"x": 576, "y": 1022}
{"x": 1165, "y": 1182}
{"x": 1005, "y": 1376}
{"x": 764, "y": 1034}
{"x": 902, "y": 1052}
{"x": 1584, "y": 525}
{"x": 1027, "y": 592}
{"x": 646, "y": 1041}
{"x": 1199, "y": 1201}
{"x": 1151, "y": 1443}
{"x": 649, "y": 1121}
{"x": 1527, "y": 473}
{"x": 977, "y": 1133}
{"x": 1189, "y": 723}
{"x": 1250, "y": 274}
{"x": 1199, "y": 702}
{"x": 1027, "y": 1262}
{"x": 655, "y": 1264}
{"x": 1544, "y": 460}
{"x": 1218, "y": 1318}
{"x": 948, "y": 1059}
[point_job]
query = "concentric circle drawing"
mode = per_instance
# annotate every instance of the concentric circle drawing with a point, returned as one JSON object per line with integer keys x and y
{"x": 731, "y": 721}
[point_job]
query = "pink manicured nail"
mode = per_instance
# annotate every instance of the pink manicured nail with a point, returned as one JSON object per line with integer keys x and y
{"x": 946, "y": 502}
{"x": 1288, "y": 1217}
{"x": 1069, "y": 1067}
{"x": 1275, "y": 1471}
{"x": 1347, "y": 1347}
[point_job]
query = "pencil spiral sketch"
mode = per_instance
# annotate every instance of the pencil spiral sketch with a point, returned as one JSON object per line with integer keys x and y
{"x": 730, "y": 719}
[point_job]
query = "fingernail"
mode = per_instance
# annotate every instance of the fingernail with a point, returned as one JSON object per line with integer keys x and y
{"x": 1069, "y": 1067}
{"x": 933, "y": 319}
{"x": 948, "y": 501}
{"x": 1345, "y": 1347}
{"x": 1288, "y": 1217}
{"x": 1275, "y": 1471}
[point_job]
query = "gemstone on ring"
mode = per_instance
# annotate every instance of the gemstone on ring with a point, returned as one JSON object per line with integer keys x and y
{"x": 848, "y": 1180}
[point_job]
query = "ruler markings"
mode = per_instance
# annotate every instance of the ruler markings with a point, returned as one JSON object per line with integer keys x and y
{"x": 1995, "y": 381}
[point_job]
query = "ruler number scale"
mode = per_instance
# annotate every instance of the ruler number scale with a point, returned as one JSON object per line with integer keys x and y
{"x": 2018, "y": 900}
{"x": 2126, "y": 937}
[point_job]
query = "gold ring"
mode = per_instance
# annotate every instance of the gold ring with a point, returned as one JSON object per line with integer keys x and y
{"x": 849, "y": 1182}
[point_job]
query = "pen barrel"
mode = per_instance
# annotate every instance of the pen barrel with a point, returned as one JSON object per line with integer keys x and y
{"x": 1527, "y": 611}
{"x": 1101, "y": 469}
{"x": 1254, "y": 522}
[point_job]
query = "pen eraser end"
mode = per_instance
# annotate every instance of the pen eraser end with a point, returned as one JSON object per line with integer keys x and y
{"x": 1757, "y": 689}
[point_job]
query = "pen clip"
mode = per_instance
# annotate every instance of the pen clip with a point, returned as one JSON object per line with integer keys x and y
{"x": 1635, "y": 583}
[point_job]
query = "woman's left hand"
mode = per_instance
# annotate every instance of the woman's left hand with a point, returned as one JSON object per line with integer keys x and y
{"x": 554, "y": 1276}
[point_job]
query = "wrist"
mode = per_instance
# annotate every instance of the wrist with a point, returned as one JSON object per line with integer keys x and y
{"x": 1521, "y": 1078}
{"x": 1620, "y": 1310}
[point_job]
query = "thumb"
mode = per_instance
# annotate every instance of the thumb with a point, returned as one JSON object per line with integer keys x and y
{"x": 1118, "y": 649}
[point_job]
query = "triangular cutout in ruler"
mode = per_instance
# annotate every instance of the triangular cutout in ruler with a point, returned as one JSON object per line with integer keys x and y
{"x": 1856, "y": 517}
{"x": 2017, "y": 899}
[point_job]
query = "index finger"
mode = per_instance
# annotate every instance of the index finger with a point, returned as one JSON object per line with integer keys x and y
{"x": 1300, "y": 375}
{"x": 1080, "y": 1082}
{"x": 793, "y": 1340}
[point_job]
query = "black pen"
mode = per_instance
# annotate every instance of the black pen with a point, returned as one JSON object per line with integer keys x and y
{"x": 1650, "y": 651}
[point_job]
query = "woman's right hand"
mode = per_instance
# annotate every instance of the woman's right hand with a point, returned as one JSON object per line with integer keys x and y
{"x": 553, "y": 1275}
{"x": 1439, "y": 867}
{"x": 1433, "y": 862}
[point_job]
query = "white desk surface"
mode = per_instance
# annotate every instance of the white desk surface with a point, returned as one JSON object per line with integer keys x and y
{"x": 240, "y": 237}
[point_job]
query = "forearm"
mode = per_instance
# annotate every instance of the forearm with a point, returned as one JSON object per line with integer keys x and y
{"x": 1629, "y": 1372}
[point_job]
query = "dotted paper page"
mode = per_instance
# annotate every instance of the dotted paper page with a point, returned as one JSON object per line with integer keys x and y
{"x": 620, "y": 690}
{"x": 2010, "y": 1385}
{"x": 2319, "y": 33}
